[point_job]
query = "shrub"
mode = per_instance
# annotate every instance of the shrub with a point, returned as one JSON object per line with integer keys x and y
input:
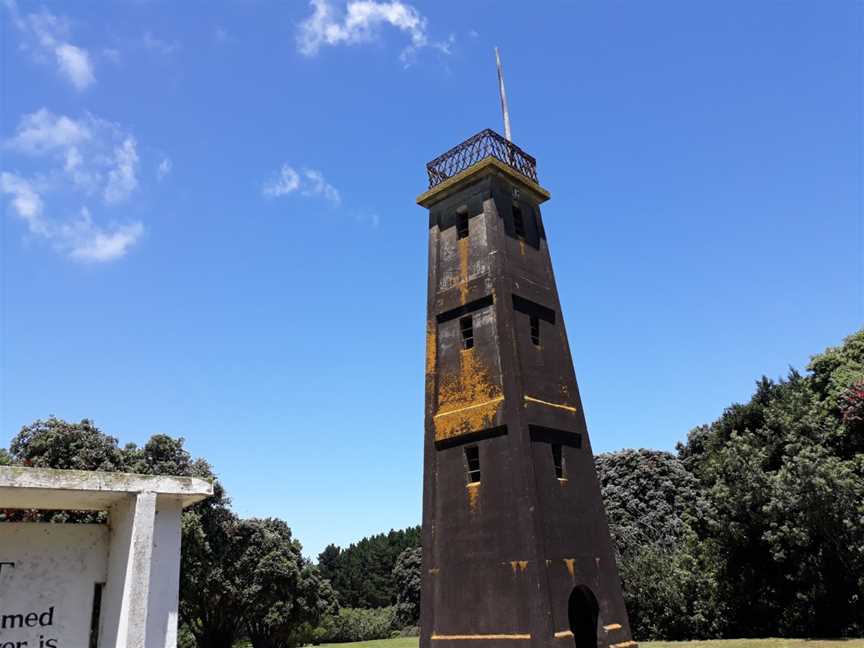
{"x": 357, "y": 624}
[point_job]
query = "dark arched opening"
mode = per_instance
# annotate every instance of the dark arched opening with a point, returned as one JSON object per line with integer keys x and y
{"x": 583, "y": 611}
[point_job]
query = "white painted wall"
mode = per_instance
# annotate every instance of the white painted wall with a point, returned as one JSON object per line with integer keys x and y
{"x": 56, "y": 566}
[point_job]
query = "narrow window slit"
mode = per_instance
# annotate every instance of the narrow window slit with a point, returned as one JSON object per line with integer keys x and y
{"x": 518, "y": 222}
{"x": 472, "y": 461}
{"x": 95, "y": 614}
{"x": 558, "y": 460}
{"x": 462, "y": 225}
{"x": 535, "y": 330}
{"x": 466, "y": 325}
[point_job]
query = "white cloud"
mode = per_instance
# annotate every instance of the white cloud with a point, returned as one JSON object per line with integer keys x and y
{"x": 122, "y": 180}
{"x": 75, "y": 64}
{"x": 43, "y": 132}
{"x": 316, "y": 185}
{"x": 79, "y": 238}
{"x": 97, "y": 155}
{"x": 360, "y": 24}
{"x": 83, "y": 158}
{"x": 165, "y": 167}
{"x": 83, "y": 240}
{"x": 25, "y": 200}
{"x": 309, "y": 182}
{"x": 46, "y": 37}
{"x": 285, "y": 182}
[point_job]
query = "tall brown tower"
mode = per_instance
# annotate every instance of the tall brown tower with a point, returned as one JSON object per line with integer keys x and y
{"x": 516, "y": 547}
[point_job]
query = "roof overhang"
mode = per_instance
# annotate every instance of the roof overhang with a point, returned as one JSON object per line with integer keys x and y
{"x": 83, "y": 490}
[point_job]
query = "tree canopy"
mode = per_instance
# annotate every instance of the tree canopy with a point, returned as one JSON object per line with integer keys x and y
{"x": 362, "y": 574}
{"x": 756, "y": 528}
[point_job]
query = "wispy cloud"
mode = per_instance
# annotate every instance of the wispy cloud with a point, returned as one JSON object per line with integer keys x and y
{"x": 46, "y": 36}
{"x": 286, "y": 181}
{"x": 154, "y": 44}
{"x": 95, "y": 154}
{"x": 361, "y": 23}
{"x": 83, "y": 159}
{"x": 164, "y": 169}
{"x": 78, "y": 237}
{"x": 308, "y": 182}
{"x": 314, "y": 184}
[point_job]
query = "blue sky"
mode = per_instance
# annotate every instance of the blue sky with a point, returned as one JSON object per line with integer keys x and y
{"x": 209, "y": 227}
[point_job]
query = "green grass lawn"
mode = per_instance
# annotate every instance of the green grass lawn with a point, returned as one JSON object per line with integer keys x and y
{"x": 411, "y": 642}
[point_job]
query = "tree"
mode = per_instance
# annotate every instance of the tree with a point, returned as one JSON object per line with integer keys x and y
{"x": 328, "y": 562}
{"x": 650, "y": 498}
{"x": 784, "y": 474}
{"x": 165, "y": 455}
{"x": 281, "y": 593}
{"x": 654, "y": 505}
{"x": 363, "y": 573}
{"x": 55, "y": 443}
{"x": 209, "y": 580}
{"x": 407, "y": 575}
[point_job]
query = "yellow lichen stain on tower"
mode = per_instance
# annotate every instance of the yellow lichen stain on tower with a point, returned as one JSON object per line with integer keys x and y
{"x": 570, "y": 566}
{"x": 473, "y": 496}
{"x": 467, "y": 401}
{"x": 463, "y": 268}
{"x": 431, "y": 351}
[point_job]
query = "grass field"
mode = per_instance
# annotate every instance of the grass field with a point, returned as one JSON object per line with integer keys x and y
{"x": 411, "y": 642}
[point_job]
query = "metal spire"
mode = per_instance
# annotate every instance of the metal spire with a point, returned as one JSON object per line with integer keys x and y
{"x": 504, "y": 109}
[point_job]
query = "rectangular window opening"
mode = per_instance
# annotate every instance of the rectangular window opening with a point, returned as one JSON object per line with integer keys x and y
{"x": 558, "y": 460}
{"x": 518, "y": 222}
{"x": 535, "y": 330}
{"x": 466, "y": 325}
{"x": 472, "y": 462}
{"x": 462, "y": 225}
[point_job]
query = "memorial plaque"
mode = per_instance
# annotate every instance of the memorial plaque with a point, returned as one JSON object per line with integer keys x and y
{"x": 50, "y": 575}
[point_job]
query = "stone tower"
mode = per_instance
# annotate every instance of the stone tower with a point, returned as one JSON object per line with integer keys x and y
{"x": 516, "y": 547}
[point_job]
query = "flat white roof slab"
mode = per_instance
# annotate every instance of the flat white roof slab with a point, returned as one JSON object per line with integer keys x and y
{"x": 84, "y": 490}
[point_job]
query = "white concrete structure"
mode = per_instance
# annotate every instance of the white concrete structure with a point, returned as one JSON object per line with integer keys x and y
{"x": 111, "y": 585}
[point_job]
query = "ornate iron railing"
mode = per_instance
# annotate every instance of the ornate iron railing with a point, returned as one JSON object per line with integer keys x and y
{"x": 484, "y": 144}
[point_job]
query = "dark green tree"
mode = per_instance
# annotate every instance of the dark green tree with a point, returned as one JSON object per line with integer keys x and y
{"x": 210, "y": 583}
{"x": 281, "y": 594}
{"x": 654, "y": 506}
{"x": 328, "y": 562}
{"x": 55, "y": 443}
{"x": 406, "y": 574}
{"x": 364, "y": 571}
{"x": 784, "y": 475}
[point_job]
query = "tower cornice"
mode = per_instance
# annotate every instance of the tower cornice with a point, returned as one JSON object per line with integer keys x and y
{"x": 484, "y": 167}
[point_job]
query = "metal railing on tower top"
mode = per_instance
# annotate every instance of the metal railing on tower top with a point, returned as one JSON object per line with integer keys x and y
{"x": 486, "y": 143}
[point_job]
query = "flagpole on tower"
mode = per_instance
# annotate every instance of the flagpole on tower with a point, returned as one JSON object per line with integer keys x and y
{"x": 504, "y": 109}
